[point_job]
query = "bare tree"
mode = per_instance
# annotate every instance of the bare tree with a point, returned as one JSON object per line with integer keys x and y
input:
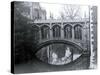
{"x": 70, "y": 12}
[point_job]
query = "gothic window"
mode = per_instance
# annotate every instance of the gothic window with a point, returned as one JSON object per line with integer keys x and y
{"x": 35, "y": 32}
{"x": 45, "y": 32}
{"x": 68, "y": 31}
{"x": 78, "y": 32}
{"x": 56, "y": 31}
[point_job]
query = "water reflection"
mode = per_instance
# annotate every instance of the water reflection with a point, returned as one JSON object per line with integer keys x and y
{"x": 58, "y": 54}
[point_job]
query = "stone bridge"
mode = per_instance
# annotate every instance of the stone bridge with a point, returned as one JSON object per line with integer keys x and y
{"x": 75, "y": 31}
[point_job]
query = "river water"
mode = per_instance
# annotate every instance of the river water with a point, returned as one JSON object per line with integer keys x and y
{"x": 58, "y": 54}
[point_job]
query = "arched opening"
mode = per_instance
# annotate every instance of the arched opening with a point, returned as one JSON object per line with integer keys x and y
{"x": 68, "y": 31}
{"x": 56, "y": 31}
{"x": 58, "y": 52}
{"x": 78, "y": 32}
{"x": 36, "y": 34}
{"x": 45, "y": 32}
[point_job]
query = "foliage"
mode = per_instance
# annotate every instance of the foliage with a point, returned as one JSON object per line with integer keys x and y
{"x": 24, "y": 39}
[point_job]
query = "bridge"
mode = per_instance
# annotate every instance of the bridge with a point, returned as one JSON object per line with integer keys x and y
{"x": 74, "y": 31}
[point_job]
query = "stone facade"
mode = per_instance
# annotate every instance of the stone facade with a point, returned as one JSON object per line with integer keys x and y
{"x": 73, "y": 30}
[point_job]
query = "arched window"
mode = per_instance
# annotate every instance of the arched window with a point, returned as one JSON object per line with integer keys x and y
{"x": 56, "y": 31}
{"x": 35, "y": 32}
{"x": 78, "y": 32}
{"x": 45, "y": 32}
{"x": 68, "y": 31}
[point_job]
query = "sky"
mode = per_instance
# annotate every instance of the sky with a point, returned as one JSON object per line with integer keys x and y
{"x": 55, "y": 9}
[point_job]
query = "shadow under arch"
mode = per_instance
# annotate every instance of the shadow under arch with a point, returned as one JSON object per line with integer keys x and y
{"x": 44, "y": 44}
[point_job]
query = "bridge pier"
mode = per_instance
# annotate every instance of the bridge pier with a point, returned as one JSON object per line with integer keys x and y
{"x": 62, "y": 33}
{"x": 51, "y": 34}
{"x": 73, "y": 33}
{"x": 62, "y": 30}
{"x": 40, "y": 34}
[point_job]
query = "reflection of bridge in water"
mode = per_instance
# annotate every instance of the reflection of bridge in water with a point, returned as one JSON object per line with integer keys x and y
{"x": 74, "y": 33}
{"x": 59, "y": 52}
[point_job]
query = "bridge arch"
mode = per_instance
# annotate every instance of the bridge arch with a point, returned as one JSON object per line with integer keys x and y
{"x": 78, "y": 24}
{"x": 45, "y": 25}
{"x": 35, "y": 26}
{"x": 44, "y": 44}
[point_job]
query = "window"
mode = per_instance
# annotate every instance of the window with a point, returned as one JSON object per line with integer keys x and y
{"x": 68, "y": 31}
{"x": 78, "y": 32}
{"x": 56, "y": 31}
{"x": 35, "y": 32}
{"x": 45, "y": 32}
